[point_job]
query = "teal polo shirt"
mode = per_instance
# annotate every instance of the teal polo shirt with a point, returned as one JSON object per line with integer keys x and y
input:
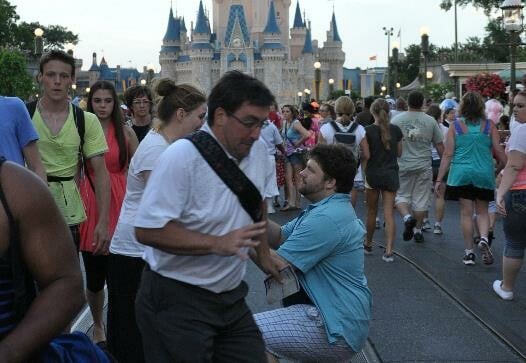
{"x": 325, "y": 242}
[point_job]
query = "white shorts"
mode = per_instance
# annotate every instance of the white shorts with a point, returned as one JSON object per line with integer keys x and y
{"x": 272, "y": 187}
{"x": 298, "y": 333}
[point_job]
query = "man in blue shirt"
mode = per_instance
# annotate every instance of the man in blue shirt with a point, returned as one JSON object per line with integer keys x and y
{"x": 324, "y": 244}
{"x": 18, "y": 136}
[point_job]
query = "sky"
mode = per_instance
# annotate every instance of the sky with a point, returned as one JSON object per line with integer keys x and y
{"x": 130, "y": 32}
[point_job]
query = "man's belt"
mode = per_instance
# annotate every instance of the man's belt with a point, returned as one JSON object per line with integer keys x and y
{"x": 51, "y": 178}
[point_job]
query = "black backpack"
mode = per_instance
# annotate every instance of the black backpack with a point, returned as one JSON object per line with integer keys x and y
{"x": 80, "y": 123}
{"x": 347, "y": 138}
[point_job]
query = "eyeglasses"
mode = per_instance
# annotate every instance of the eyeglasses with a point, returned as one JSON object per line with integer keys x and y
{"x": 250, "y": 122}
{"x": 141, "y": 103}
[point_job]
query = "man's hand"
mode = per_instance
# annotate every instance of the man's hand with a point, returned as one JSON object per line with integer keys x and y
{"x": 101, "y": 239}
{"x": 271, "y": 264}
{"x": 234, "y": 243}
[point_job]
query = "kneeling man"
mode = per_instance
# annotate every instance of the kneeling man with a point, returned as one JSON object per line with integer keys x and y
{"x": 324, "y": 244}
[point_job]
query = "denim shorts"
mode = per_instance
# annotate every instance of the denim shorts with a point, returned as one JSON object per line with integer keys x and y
{"x": 514, "y": 226}
{"x": 296, "y": 159}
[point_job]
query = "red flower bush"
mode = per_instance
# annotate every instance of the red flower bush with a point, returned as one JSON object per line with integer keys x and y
{"x": 487, "y": 84}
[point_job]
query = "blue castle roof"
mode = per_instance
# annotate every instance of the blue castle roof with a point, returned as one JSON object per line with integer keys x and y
{"x": 272, "y": 23}
{"x": 201, "y": 25}
{"x": 307, "y": 47}
{"x": 94, "y": 68}
{"x": 298, "y": 21}
{"x": 173, "y": 30}
{"x": 237, "y": 12}
{"x": 183, "y": 25}
{"x": 336, "y": 36}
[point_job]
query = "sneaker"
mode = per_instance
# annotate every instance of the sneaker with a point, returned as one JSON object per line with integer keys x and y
{"x": 426, "y": 226}
{"x": 437, "y": 229}
{"x": 387, "y": 258}
{"x": 504, "y": 295}
{"x": 419, "y": 237}
{"x": 408, "y": 231}
{"x": 469, "y": 259}
{"x": 368, "y": 250}
{"x": 377, "y": 226}
{"x": 485, "y": 250}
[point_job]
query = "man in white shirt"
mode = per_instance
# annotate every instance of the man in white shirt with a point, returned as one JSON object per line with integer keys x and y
{"x": 190, "y": 305}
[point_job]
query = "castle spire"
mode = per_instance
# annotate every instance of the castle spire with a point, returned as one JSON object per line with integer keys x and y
{"x": 172, "y": 29}
{"x": 272, "y": 24}
{"x": 334, "y": 28}
{"x": 298, "y": 21}
{"x": 307, "y": 47}
{"x": 201, "y": 25}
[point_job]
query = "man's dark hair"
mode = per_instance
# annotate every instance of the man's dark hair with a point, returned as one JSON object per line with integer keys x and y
{"x": 415, "y": 99}
{"x": 368, "y": 101}
{"x": 135, "y": 92}
{"x": 57, "y": 55}
{"x": 337, "y": 162}
{"x": 434, "y": 111}
{"x": 233, "y": 90}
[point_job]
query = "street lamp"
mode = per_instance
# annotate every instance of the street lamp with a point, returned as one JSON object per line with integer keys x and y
{"x": 143, "y": 82}
{"x": 39, "y": 42}
{"x": 331, "y": 87}
{"x": 383, "y": 88}
{"x": 69, "y": 48}
{"x": 151, "y": 69}
{"x": 512, "y": 18}
{"x": 425, "y": 49}
{"x": 306, "y": 92}
{"x": 394, "y": 62}
{"x": 74, "y": 89}
{"x": 389, "y": 33}
{"x": 88, "y": 89}
{"x": 317, "y": 78}
{"x": 300, "y": 95}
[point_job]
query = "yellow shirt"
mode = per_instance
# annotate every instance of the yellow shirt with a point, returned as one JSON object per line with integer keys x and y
{"x": 59, "y": 155}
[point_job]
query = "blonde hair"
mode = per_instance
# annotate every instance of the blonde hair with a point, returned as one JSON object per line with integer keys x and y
{"x": 380, "y": 111}
{"x": 344, "y": 108}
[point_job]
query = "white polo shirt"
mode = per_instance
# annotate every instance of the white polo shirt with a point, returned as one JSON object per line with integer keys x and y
{"x": 184, "y": 188}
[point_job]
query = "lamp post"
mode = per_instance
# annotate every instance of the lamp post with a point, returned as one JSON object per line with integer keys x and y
{"x": 306, "y": 92}
{"x": 69, "y": 48}
{"x": 88, "y": 89}
{"x": 39, "y": 42}
{"x": 331, "y": 87}
{"x": 74, "y": 90}
{"x": 394, "y": 62}
{"x": 317, "y": 78}
{"x": 397, "y": 85}
{"x": 512, "y": 18}
{"x": 383, "y": 88}
{"x": 389, "y": 33}
{"x": 143, "y": 82}
{"x": 425, "y": 49}
{"x": 151, "y": 69}
{"x": 300, "y": 95}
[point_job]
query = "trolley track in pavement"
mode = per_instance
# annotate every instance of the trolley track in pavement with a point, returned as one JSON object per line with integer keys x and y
{"x": 469, "y": 305}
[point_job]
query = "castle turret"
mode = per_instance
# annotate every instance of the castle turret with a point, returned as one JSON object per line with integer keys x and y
{"x": 273, "y": 53}
{"x": 94, "y": 71}
{"x": 307, "y": 61}
{"x": 297, "y": 34}
{"x": 332, "y": 58}
{"x": 201, "y": 51}
{"x": 171, "y": 47}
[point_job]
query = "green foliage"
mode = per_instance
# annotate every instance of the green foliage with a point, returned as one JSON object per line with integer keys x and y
{"x": 14, "y": 80}
{"x": 437, "y": 91}
{"x": 21, "y": 35}
{"x": 487, "y": 5}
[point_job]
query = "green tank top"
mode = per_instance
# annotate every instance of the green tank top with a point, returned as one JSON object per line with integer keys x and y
{"x": 472, "y": 161}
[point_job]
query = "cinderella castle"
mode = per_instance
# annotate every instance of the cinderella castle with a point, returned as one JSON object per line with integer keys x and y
{"x": 251, "y": 36}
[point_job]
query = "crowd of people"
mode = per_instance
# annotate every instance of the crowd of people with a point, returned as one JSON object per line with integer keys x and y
{"x": 166, "y": 204}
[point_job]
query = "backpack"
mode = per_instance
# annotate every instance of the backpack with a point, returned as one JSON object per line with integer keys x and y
{"x": 347, "y": 138}
{"x": 80, "y": 123}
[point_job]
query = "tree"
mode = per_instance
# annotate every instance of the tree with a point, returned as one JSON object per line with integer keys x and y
{"x": 21, "y": 35}
{"x": 14, "y": 80}
{"x": 8, "y": 19}
{"x": 487, "y": 5}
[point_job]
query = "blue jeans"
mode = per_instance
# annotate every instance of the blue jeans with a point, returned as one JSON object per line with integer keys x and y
{"x": 514, "y": 226}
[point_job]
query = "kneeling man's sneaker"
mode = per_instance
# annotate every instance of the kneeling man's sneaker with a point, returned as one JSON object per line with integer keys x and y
{"x": 437, "y": 229}
{"x": 504, "y": 295}
{"x": 487, "y": 256}
{"x": 419, "y": 237}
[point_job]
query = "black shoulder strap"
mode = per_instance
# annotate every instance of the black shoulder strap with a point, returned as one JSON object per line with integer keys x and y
{"x": 31, "y": 107}
{"x": 229, "y": 172}
{"x": 335, "y": 126}
{"x": 353, "y": 127}
{"x": 23, "y": 284}
{"x": 80, "y": 123}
